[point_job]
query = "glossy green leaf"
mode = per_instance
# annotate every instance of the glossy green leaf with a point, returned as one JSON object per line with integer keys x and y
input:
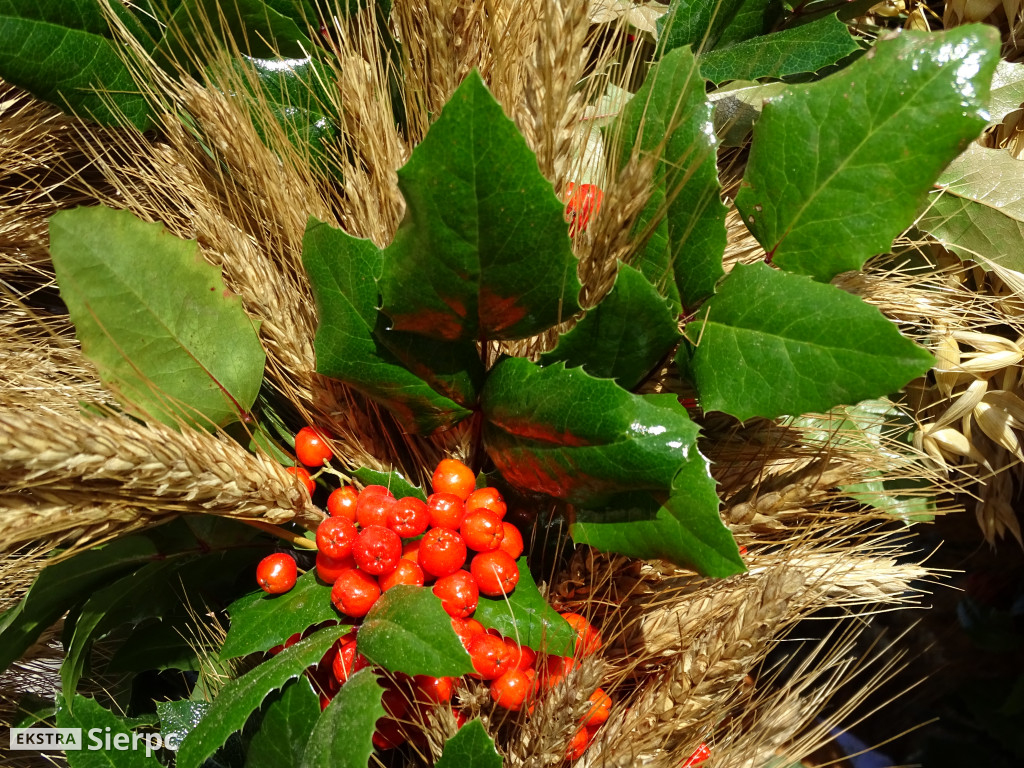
{"x": 92, "y": 717}
{"x": 844, "y": 162}
{"x": 166, "y": 336}
{"x": 685, "y": 530}
{"x": 773, "y": 343}
{"x": 343, "y": 736}
{"x": 562, "y": 432}
{"x": 470, "y": 747}
{"x": 239, "y": 698}
{"x": 452, "y": 368}
{"x": 979, "y": 212}
{"x": 285, "y": 727}
{"x": 624, "y": 336}
{"x": 260, "y": 621}
{"x": 684, "y": 219}
{"x": 807, "y": 48}
{"x": 483, "y": 251}
{"x": 1007, "y": 90}
{"x": 343, "y": 271}
{"x": 393, "y": 481}
{"x": 408, "y": 631}
{"x": 179, "y": 718}
{"x": 525, "y": 616}
{"x": 695, "y": 23}
{"x": 752, "y": 18}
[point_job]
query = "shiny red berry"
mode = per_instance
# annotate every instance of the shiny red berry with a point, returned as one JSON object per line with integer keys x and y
{"x": 406, "y": 572}
{"x": 511, "y": 689}
{"x": 495, "y": 572}
{"x": 348, "y": 661}
{"x": 482, "y": 530}
{"x": 600, "y": 709}
{"x": 446, "y": 510}
{"x": 374, "y": 509}
{"x": 588, "y": 639}
{"x": 377, "y": 550}
{"x": 490, "y": 656}
{"x": 329, "y": 568}
{"x": 434, "y": 690}
{"x": 584, "y": 201}
{"x": 487, "y": 498}
{"x": 354, "y": 592}
{"x": 276, "y": 573}
{"x": 700, "y": 754}
{"x": 452, "y": 476}
{"x": 512, "y": 541}
{"x": 335, "y": 537}
{"x": 442, "y": 551}
{"x": 302, "y": 474}
{"x": 342, "y": 502}
{"x": 311, "y": 447}
{"x": 408, "y": 517}
{"x": 459, "y": 594}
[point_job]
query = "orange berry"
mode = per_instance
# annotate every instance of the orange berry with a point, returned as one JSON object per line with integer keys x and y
{"x": 588, "y": 639}
{"x": 452, "y": 476}
{"x": 600, "y": 708}
{"x": 486, "y": 498}
{"x": 311, "y": 447}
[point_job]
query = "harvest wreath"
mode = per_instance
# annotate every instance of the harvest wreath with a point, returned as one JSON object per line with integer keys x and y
{"x": 583, "y": 356}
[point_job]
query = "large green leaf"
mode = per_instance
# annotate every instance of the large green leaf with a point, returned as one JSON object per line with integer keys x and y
{"x": 239, "y": 698}
{"x": 156, "y": 320}
{"x": 408, "y": 630}
{"x": 979, "y": 212}
{"x": 343, "y": 271}
{"x": 285, "y": 727}
{"x": 483, "y": 251}
{"x": 806, "y": 48}
{"x": 470, "y": 747}
{"x": 752, "y": 18}
{"x": 525, "y": 616}
{"x": 562, "y": 432}
{"x": 697, "y": 23}
{"x": 838, "y": 168}
{"x": 1007, "y": 90}
{"x": 343, "y": 736}
{"x": 773, "y": 343}
{"x": 684, "y": 217}
{"x": 97, "y": 722}
{"x": 624, "y": 336}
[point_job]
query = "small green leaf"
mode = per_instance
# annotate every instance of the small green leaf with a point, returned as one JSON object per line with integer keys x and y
{"x": 241, "y": 697}
{"x": 179, "y": 718}
{"x": 88, "y": 715}
{"x": 1007, "y": 90}
{"x": 483, "y": 251}
{"x": 260, "y": 621}
{"x": 408, "y": 631}
{"x": 842, "y": 161}
{"x": 285, "y": 728}
{"x": 695, "y": 23}
{"x": 166, "y": 336}
{"x": 393, "y": 481}
{"x": 773, "y": 343}
{"x": 526, "y": 617}
{"x": 470, "y": 747}
{"x": 343, "y": 736}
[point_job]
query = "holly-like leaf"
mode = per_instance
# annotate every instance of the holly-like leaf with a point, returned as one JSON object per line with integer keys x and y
{"x": 1007, "y": 90}
{"x": 695, "y": 23}
{"x": 343, "y": 736}
{"x": 773, "y": 343}
{"x": 156, "y": 320}
{"x": 343, "y": 272}
{"x": 239, "y": 698}
{"x": 260, "y": 621}
{"x": 685, "y": 529}
{"x": 88, "y": 715}
{"x": 624, "y": 336}
{"x": 843, "y": 162}
{"x": 393, "y": 481}
{"x": 408, "y": 631}
{"x": 684, "y": 219}
{"x": 285, "y": 728}
{"x": 470, "y": 747}
{"x": 562, "y": 432}
{"x": 483, "y": 251}
{"x": 525, "y": 616}
{"x": 807, "y": 48}
{"x": 752, "y": 18}
{"x": 179, "y": 718}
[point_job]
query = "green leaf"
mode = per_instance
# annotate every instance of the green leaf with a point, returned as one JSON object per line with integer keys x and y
{"x": 1007, "y": 90}
{"x": 752, "y": 18}
{"x": 241, "y": 697}
{"x": 624, "y": 336}
{"x": 979, "y": 212}
{"x": 286, "y": 726}
{"x": 806, "y": 48}
{"x": 738, "y": 106}
{"x": 343, "y": 271}
{"x": 685, "y": 216}
{"x": 393, "y": 481}
{"x": 562, "y": 432}
{"x": 483, "y": 251}
{"x": 164, "y": 644}
{"x": 179, "y": 718}
{"x": 343, "y": 736}
{"x": 843, "y": 162}
{"x": 408, "y": 631}
{"x": 695, "y": 23}
{"x": 525, "y": 616}
{"x": 166, "y": 336}
{"x": 260, "y": 621}
{"x": 60, "y": 51}
{"x": 88, "y": 715}
{"x": 470, "y": 747}
{"x": 773, "y": 343}
{"x": 685, "y": 530}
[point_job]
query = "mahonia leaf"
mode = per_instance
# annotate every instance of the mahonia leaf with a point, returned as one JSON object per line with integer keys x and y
{"x": 470, "y": 747}
{"x": 343, "y": 736}
{"x": 696, "y": 23}
{"x": 752, "y": 18}
{"x": 285, "y": 727}
{"x": 91, "y": 718}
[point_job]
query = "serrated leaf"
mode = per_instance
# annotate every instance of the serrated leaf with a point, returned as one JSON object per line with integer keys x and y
{"x": 807, "y": 48}
{"x": 343, "y": 736}
{"x": 685, "y": 530}
{"x": 525, "y": 616}
{"x": 393, "y": 481}
{"x": 285, "y": 727}
{"x": 483, "y": 251}
{"x": 684, "y": 217}
{"x": 624, "y": 336}
{"x": 842, "y": 161}
{"x": 695, "y": 23}
{"x": 752, "y": 18}
{"x": 155, "y": 319}
{"x": 343, "y": 272}
{"x": 179, "y": 718}
{"x": 979, "y": 212}
{"x": 260, "y": 621}
{"x": 562, "y": 432}
{"x": 1007, "y": 90}
{"x": 470, "y": 747}
{"x": 773, "y": 343}
{"x": 239, "y": 698}
{"x": 89, "y": 715}
{"x": 408, "y": 631}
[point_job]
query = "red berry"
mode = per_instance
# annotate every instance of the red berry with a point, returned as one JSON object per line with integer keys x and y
{"x": 512, "y": 541}
{"x": 578, "y": 745}
{"x": 467, "y": 629}
{"x": 395, "y": 700}
{"x": 527, "y": 658}
{"x": 553, "y": 670}
{"x": 511, "y": 689}
{"x": 452, "y": 476}
{"x": 348, "y": 661}
{"x": 700, "y": 755}
{"x": 303, "y": 476}
{"x": 377, "y": 550}
{"x": 446, "y": 510}
{"x": 486, "y": 498}
{"x": 374, "y": 509}
{"x": 588, "y": 639}
{"x": 328, "y": 568}
{"x": 276, "y": 573}
{"x": 354, "y": 592}
{"x": 411, "y": 551}
{"x": 388, "y": 735}
{"x": 600, "y": 708}
{"x": 406, "y": 572}
{"x": 408, "y": 517}
{"x": 442, "y": 551}
{"x": 434, "y": 690}
{"x": 286, "y": 644}
{"x": 311, "y": 448}
{"x": 459, "y": 594}
{"x": 584, "y": 201}
{"x": 373, "y": 490}
{"x": 482, "y": 530}
{"x": 335, "y": 536}
{"x": 342, "y": 502}
{"x": 490, "y": 656}
{"x": 495, "y": 572}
